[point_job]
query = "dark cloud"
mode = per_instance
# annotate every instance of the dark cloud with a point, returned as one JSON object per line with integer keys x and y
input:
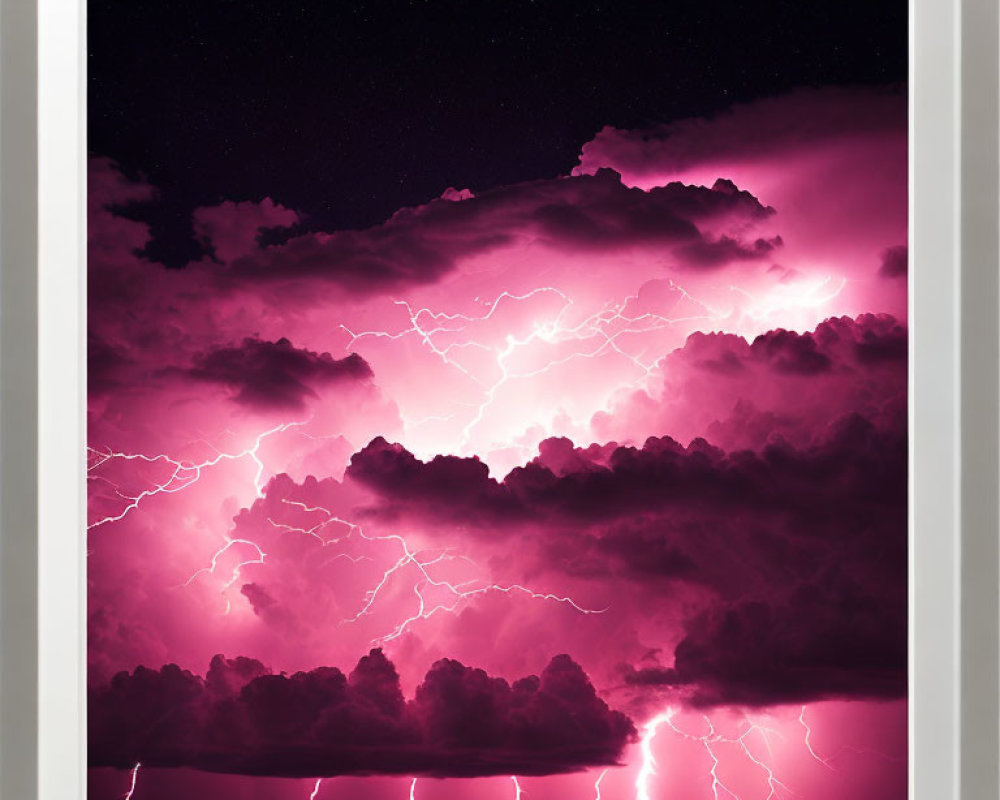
{"x": 265, "y": 606}
{"x": 606, "y": 214}
{"x": 771, "y": 127}
{"x": 557, "y": 718}
{"x": 784, "y": 384}
{"x": 836, "y": 345}
{"x": 106, "y": 365}
{"x": 651, "y": 548}
{"x": 586, "y": 212}
{"x": 790, "y": 353}
{"x": 231, "y": 230}
{"x": 275, "y": 374}
{"x": 226, "y": 676}
{"x": 148, "y": 711}
{"x": 461, "y": 722}
{"x": 894, "y": 262}
{"x": 854, "y": 461}
{"x": 806, "y": 354}
{"x": 447, "y": 485}
{"x": 827, "y": 639}
{"x": 560, "y": 456}
{"x": 803, "y": 548}
{"x": 888, "y": 346}
{"x": 108, "y": 187}
{"x": 249, "y": 243}
{"x": 706, "y": 254}
{"x": 115, "y": 240}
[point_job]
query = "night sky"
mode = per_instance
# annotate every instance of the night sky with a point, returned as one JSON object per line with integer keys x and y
{"x": 349, "y": 111}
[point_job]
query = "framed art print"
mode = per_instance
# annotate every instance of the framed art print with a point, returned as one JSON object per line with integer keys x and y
{"x": 534, "y": 400}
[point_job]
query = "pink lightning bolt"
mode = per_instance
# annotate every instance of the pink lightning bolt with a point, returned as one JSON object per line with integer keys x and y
{"x": 459, "y": 593}
{"x": 809, "y": 747}
{"x": 599, "y": 333}
{"x": 773, "y": 783}
{"x": 828, "y": 761}
{"x": 607, "y": 329}
{"x": 648, "y": 768}
{"x": 236, "y": 571}
{"x": 183, "y": 473}
{"x": 597, "y": 785}
{"x": 599, "y": 326}
{"x": 517, "y": 788}
{"x": 714, "y": 772}
{"x": 413, "y": 789}
{"x": 777, "y": 789}
{"x": 131, "y": 788}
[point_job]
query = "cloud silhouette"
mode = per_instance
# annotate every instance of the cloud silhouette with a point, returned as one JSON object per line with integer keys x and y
{"x": 274, "y": 374}
{"x": 462, "y": 722}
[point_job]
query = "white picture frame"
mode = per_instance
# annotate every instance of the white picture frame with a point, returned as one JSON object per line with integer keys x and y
{"x": 954, "y": 303}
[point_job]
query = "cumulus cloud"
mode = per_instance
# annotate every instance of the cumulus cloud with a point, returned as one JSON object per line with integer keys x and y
{"x": 451, "y": 485}
{"x": 782, "y": 384}
{"x": 829, "y": 639}
{"x": 242, "y": 719}
{"x": 660, "y": 474}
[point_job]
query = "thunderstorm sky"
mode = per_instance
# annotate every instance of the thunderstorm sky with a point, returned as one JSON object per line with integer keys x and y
{"x": 496, "y": 404}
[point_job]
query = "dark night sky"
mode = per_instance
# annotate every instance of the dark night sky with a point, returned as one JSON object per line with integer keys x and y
{"x": 347, "y": 111}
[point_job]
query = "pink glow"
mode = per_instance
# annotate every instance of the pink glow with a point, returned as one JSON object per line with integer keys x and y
{"x": 434, "y": 437}
{"x": 864, "y": 764}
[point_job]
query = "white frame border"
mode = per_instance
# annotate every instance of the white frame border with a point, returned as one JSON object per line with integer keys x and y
{"x": 955, "y": 355}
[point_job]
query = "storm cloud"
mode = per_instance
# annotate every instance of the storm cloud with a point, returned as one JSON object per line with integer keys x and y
{"x": 274, "y": 374}
{"x": 462, "y": 722}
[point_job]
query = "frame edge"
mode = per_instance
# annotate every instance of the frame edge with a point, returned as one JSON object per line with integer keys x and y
{"x": 980, "y": 401}
{"x": 19, "y": 625}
